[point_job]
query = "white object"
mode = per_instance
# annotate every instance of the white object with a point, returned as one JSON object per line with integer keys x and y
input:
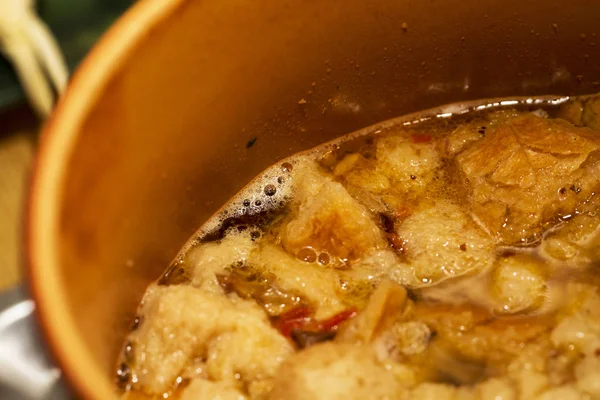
{"x": 26, "y": 372}
{"x": 28, "y": 43}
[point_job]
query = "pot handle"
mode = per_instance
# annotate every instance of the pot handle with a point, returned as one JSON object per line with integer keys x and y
{"x": 26, "y": 371}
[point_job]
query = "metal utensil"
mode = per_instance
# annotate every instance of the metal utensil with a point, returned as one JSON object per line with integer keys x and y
{"x": 26, "y": 371}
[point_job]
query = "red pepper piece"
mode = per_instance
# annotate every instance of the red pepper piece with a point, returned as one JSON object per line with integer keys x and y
{"x": 301, "y": 318}
{"x": 293, "y": 319}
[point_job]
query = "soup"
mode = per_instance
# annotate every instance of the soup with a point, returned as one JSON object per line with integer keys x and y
{"x": 443, "y": 256}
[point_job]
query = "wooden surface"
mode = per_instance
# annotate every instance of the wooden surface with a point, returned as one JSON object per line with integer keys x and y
{"x": 18, "y": 132}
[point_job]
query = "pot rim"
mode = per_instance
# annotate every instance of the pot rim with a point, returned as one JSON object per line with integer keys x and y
{"x": 41, "y": 219}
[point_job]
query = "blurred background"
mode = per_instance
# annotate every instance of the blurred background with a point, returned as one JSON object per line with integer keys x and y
{"x": 76, "y": 25}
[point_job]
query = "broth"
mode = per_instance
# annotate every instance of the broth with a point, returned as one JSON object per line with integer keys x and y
{"x": 447, "y": 254}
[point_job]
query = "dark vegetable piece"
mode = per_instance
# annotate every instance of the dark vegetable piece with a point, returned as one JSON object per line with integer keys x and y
{"x": 249, "y": 283}
{"x": 387, "y": 222}
{"x": 304, "y": 339}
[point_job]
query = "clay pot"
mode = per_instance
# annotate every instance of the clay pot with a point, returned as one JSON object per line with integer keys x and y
{"x": 154, "y": 132}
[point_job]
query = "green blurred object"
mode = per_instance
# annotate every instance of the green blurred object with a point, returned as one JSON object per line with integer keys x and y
{"x": 76, "y": 24}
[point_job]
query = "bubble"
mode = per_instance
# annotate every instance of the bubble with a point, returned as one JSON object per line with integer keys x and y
{"x": 307, "y": 254}
{"x": 286, "y": 167}
{"x": 255, "y": 235}
{"x": 323, "y": 258}
{"x": 281, "y": 180}
{"x": 270, "y": 190}
{"x": 246, "y": 203}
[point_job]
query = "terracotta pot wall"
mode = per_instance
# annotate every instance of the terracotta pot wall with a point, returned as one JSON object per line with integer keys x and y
{"x": 165, "y": 144}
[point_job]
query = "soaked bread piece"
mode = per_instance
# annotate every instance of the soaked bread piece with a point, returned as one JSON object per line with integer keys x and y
{"x": 519, "y": 284}
{"x": 580, "y": 328}
{"x": 521, "y": 174}
{"x": 409, "y": 162}
{"x": 211, "y": 260}
{"x": 335, "y": 371}
{"x": 257, "y": 270}
{"x": 582, "y": 112}
{"x": 317, "y": 284}
{"x": 441, "y": 242}
{"x": 385, "y": 306}
{"x": 455, "y": 259}
{"x": 575, "y": 242}
{"x": 330, "y": 221}
{"x": 403, "y": 168}
{"x": 237, "y": 340}
{"x": 205, "y": 389}
{"x": 473, "y": 334}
